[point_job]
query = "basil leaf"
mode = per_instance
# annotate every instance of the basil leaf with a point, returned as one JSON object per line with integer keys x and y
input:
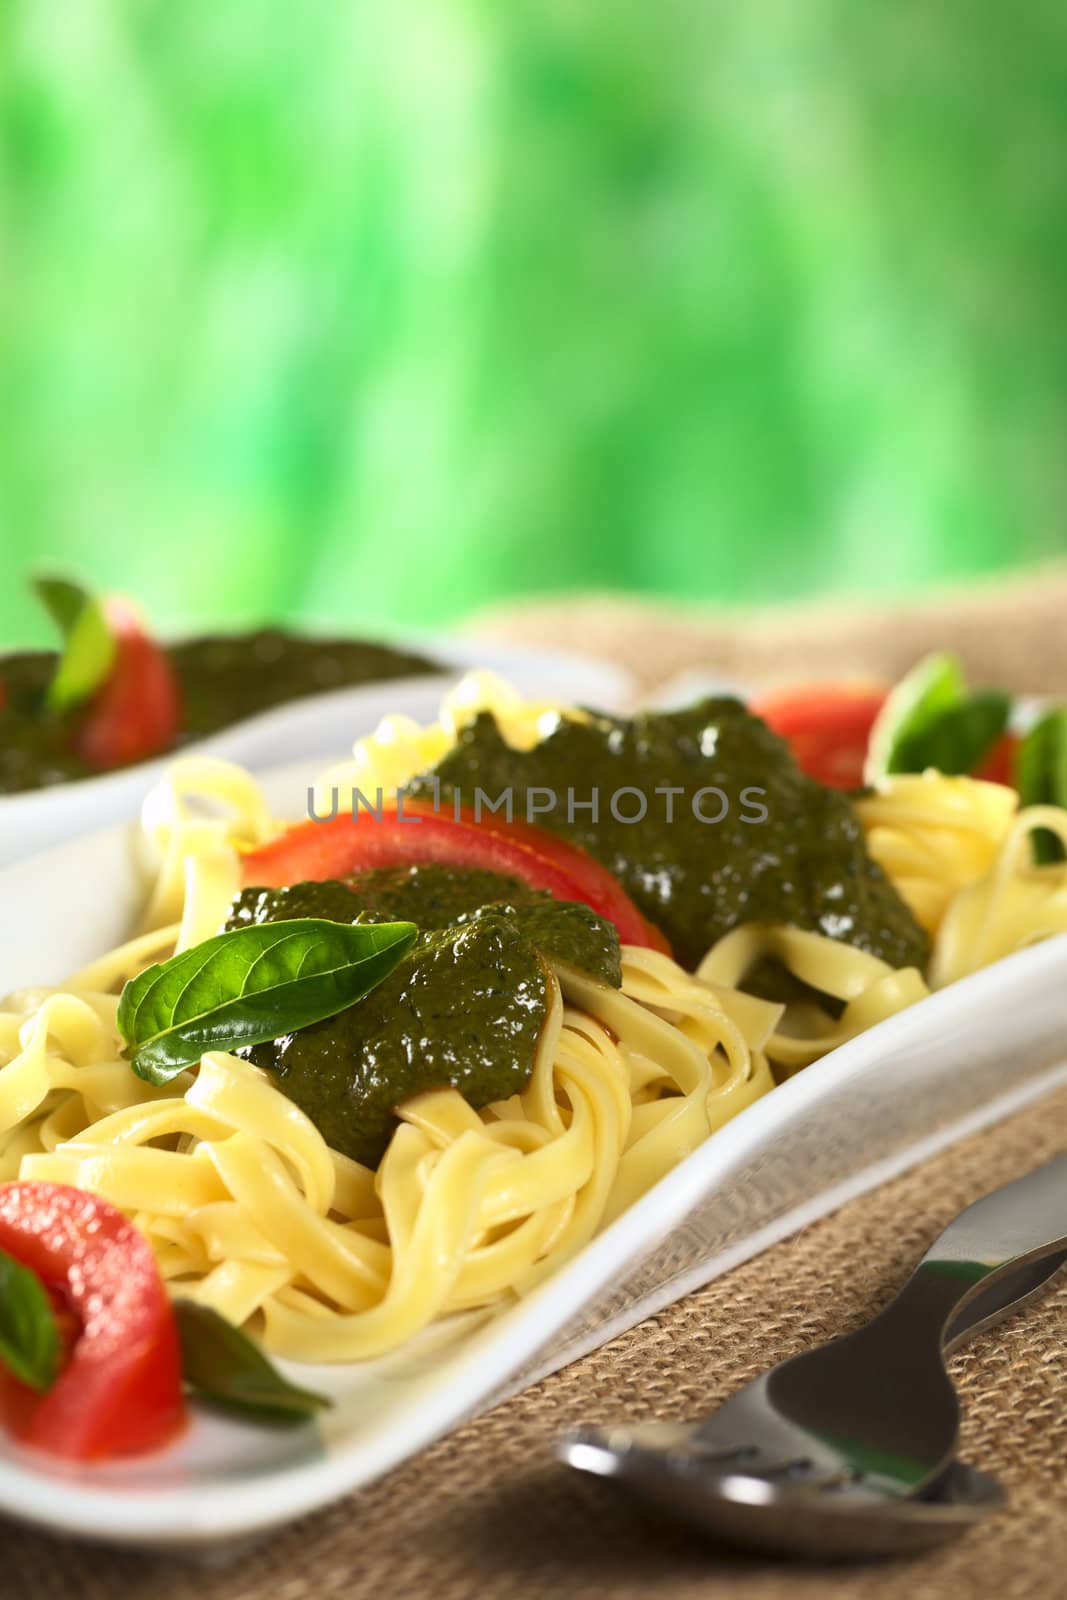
{"x": 930, "y": 720}
{"x": 223, "y": 1366}
{"x": 956, "y": 741}
{"x": 88, "y": 642}
{"x": 29, "y": 1336}
{"x": 932, "y": 687}
{"x": 252, "y": 984}
{"x": 1041, "y": 776}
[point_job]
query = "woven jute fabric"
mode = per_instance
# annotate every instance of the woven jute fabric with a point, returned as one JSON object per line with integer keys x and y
{"x": 1009, "y": 632}
{"x": 486, "y": 1513}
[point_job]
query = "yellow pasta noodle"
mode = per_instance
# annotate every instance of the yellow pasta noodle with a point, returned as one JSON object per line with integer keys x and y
{"x": 959, "y": 852}
{"x": 400, "y": 748}
{"x": 934, "y": 835}
{"x": 1014, "y": 904}
{"x": 870, "y": 988}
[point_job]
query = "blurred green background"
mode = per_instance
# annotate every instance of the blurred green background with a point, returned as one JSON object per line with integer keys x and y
{"x": 372, "y": 313}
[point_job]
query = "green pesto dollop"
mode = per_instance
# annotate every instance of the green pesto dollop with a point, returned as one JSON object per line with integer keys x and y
{"x": 435, "y": 896}
{"x": 567, "y": 933}
{"x": 465, "y": 1007}
{"x": 35, "y": 746}
{"x": 806, "y": 864}
{"x": 222, "y": 679}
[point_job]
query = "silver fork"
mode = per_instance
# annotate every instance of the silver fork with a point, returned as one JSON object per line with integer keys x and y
{"x": 871, "y": 1417}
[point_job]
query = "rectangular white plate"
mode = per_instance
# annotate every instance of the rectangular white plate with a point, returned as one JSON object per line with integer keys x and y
{"x": 957, "y": 1061}
{"x": 322, "y": 726}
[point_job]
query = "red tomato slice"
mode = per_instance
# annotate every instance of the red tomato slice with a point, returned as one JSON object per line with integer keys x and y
{"x": 136, "y": 712}
{"x": 998, "y": 765}
{"x": 121, "y": 1389}
{"x": 827, "y": 726}
{"x": 419, "y": 834}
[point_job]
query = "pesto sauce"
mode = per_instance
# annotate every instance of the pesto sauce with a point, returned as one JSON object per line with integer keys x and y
{"x": 465, "y": 1007}
{"x": 227, "y": 677}
{"x": 34, "y": 747}
{"x": 222, "y": 679}
{"x": 568, "y": 933}
{"x": 435, "y": 896}
{"x": 807, "y": 864}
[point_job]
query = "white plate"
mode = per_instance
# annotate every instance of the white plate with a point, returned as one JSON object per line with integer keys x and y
{"x": 957, "y": 1061}
{"x": 323, "y": 726}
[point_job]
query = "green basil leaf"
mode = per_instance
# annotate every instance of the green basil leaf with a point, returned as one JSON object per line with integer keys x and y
{"x": 931, "y": 720}
{"x": 223, "y": 1366}
{"x": 956, "y": 741}
{"x": 252, "y": 984}
{"x": 932, "y": 687}
{"x": 1041, "y": 776}
{"x": 88, "y": 642}
{"x": 29, "y": 1336}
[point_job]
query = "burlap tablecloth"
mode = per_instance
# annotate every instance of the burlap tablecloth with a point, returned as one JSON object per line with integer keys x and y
{"x": 485, "y": 1513}
{"x": 1008, "y": 631}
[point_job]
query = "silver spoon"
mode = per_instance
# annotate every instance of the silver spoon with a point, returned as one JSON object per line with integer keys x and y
{"x": 760, "y": 1513}
{"x": 829, "y": 1451}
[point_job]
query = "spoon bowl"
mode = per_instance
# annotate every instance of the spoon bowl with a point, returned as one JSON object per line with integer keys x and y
{"x": 755, "y": 1512}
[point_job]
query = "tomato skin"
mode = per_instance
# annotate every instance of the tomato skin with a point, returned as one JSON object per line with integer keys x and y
{"x": 416, "y": 833}
{"x": 597, "y": 886}
{"x": 998, "y": 765}
{"x": 120, "y": 1391}
{"x": 136, "y": 712}
{"x": 827, "y": 727}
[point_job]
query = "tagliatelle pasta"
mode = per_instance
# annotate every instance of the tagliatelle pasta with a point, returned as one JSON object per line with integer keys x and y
{"x": 959, "y": 852}
{"x": 935, "y": 835}
{"x": 870, "y": 989}
{"x": 1015, "y": 904}
{"x": 400, "y": 747}
{"x": 248, "y": 1209}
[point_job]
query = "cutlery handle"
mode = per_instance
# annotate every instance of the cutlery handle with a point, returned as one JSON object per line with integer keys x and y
{"x": 1000, "y": 1294}
{"x": 995, "y": 1237}
{"x": 1024, "y": 1218}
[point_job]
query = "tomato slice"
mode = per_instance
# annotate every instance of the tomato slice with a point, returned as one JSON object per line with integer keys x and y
{"x": 999, "y": 764}
{"x": 120, "y": 1391}
{"x": 827, "y": 726}
{"x": 415, "y": 833}
{"x": 136, "y": 712}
